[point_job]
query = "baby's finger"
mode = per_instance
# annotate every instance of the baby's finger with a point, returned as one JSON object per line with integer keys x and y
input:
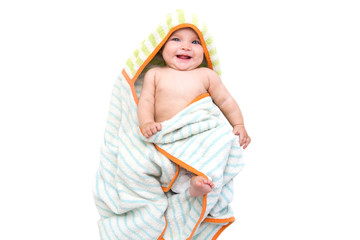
{"x": 146, "y": 134}
{"x": 158, "y": 126}
{"x": 244, "y": 143}
{"x": 241, "y": 141}
{"x": 248, "y": 140}
{"x": 150, "y": 131}
{"x": 153, "y": 130}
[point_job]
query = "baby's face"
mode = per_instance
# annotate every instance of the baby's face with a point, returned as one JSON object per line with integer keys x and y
{"x": 183, "y": 50}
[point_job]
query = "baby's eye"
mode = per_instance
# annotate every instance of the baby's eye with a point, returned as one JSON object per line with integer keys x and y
{"x": 175, "y": 39}
{"x": 196, "y": 42}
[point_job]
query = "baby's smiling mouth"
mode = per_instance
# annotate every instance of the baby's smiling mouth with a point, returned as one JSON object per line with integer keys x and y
{"x": 183, "y": 56}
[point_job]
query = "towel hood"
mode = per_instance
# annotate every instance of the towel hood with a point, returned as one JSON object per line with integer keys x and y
{"x": 147, "y": 55}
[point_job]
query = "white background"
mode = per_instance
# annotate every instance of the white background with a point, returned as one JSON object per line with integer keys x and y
{"x": 293, "y": 67}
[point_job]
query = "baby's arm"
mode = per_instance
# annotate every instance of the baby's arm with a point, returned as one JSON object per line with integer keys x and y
{"x": 146, "y": 108}
{"x": 228, "y": 106}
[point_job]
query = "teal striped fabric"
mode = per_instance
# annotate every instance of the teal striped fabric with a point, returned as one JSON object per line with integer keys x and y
{"x": 132, "y": 186}
{"x": 199, "y": 137}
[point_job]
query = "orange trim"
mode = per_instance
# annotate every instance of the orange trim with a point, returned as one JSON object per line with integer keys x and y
{"x": 162, "y": 234}
{"x": 131, "y": 84}
{"x": 179, "y": 162}
{"x": 141, "y": 131}
{"x": 201, "y": 216}
{"x": 204, "y": 95}
{"x": 214, "y": 220}
{"x": 166, "y": 189}
{"x": 220, "y": 231}
{"x": 217, "y": 234}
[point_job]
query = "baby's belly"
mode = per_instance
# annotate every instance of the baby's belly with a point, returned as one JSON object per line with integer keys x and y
{"x": 166, "y": 110}
{"x": 168, "y": 105}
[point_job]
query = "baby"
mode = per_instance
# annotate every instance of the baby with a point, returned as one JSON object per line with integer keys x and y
{"x": 168, "y": 90}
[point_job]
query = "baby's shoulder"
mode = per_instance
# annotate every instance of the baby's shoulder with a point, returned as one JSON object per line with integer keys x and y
{"x": 209, "y": 73}
{"x": 153, "y": 70}
{"x": 205, "y": 70}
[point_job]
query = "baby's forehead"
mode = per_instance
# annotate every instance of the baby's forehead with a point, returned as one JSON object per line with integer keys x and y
{"x": 187, "y": 30}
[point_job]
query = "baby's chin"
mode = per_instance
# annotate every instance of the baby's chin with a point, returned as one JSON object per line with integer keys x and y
{"x": 184, "y": 66}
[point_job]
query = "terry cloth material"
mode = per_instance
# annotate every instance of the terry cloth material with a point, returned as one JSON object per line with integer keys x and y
{"x": 133, "y": 182}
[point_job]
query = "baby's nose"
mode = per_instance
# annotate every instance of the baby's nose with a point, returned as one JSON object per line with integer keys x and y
{"x": 185, "y": 47}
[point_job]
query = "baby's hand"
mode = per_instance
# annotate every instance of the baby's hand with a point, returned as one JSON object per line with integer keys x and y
{"x": 150, "y": 128}
{"x": 244, "y": 139}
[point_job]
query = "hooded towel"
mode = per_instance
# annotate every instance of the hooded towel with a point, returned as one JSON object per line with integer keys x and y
{"x": 132, "y": 189}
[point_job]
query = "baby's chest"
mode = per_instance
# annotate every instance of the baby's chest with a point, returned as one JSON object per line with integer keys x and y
{"x": 182, "y": 87}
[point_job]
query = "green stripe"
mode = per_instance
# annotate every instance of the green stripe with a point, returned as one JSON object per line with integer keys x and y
{"x": 145, "y": 50}
{"x": 139, "y": 61}
{"x": 153, "y": 40}
{"x": 161, "y": 32}
{"x": 130, "y": 64}
{"x": 195, "y": 20}
{"x": 169, "y": 22}
{"x": 205, "y": 29}
{"x": 136, "y": 53}
{"x": 181, "y": 16}
{"x": 213, "y": 52}
{"x": 209, "y": 41}
{"x": 216, "y": 62}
